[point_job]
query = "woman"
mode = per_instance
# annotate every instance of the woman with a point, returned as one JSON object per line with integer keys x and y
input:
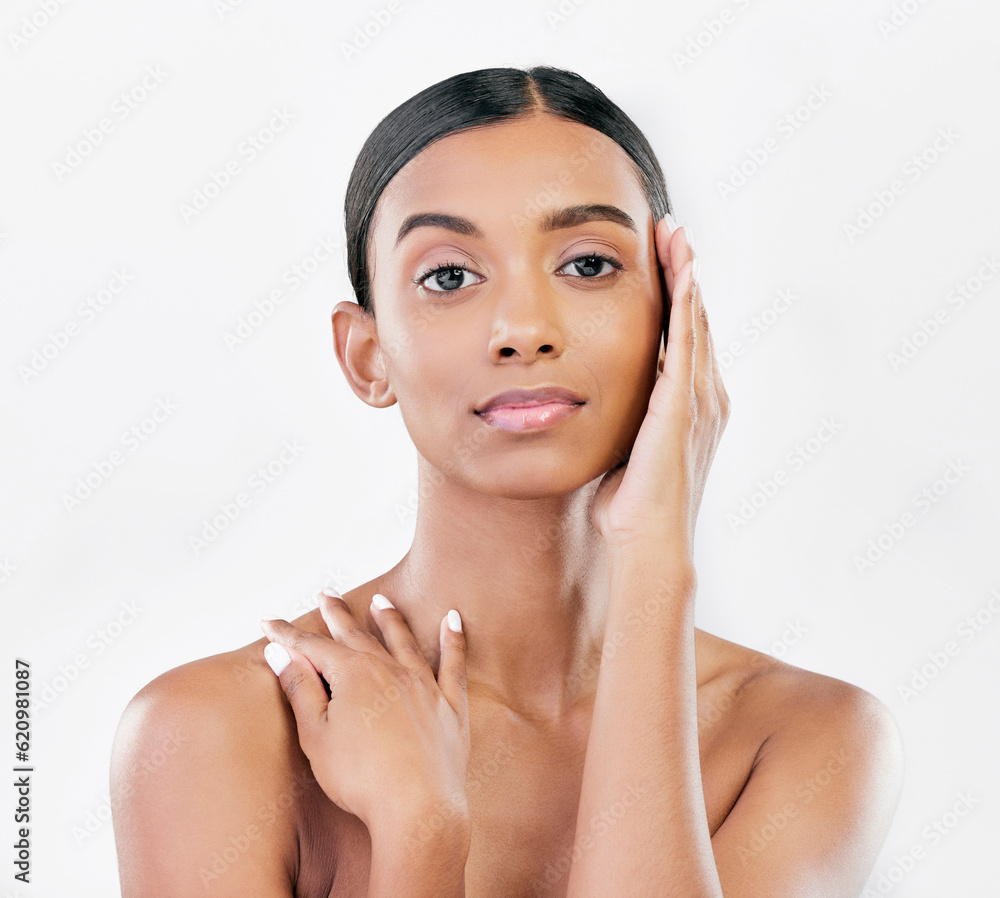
{"x": 522, "y": 705}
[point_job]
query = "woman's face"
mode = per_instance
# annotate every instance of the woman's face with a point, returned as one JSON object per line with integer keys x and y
{"x": 533, "y": 307}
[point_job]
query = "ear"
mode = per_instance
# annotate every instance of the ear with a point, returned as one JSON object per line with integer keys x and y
{"x": 355, "y": 341}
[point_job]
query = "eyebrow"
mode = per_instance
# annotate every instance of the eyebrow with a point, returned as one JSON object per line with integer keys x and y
{"x": 554, "y": 220}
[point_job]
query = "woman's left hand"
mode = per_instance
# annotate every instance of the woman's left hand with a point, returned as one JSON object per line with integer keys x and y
{"x": 657, "y": 491}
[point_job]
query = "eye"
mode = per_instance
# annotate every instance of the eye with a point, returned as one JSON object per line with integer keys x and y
{"x": 587, "y": 266}
{"x": 445, "y": 278}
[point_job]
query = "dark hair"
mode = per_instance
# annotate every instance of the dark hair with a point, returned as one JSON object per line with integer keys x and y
{"x": 476, "y": 99}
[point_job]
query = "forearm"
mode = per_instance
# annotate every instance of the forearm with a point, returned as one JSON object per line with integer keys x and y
{"x": 641, "y": 824}
{"x": 419, "y": 857}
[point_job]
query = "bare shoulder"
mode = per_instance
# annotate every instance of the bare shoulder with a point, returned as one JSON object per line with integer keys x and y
{"x": 782, "y": 698}
{"x": 827, "y": 726}
{"x": 812, "y": 708}
{"x": 202, "y": 756}
{"x": 823, "y": 786}
{"x": 208, "y": 699}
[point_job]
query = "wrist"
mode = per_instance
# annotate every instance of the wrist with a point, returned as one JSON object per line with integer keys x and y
{"x": 422, "y": 856}
{"x": 653, "y": 568}
{"x": 659, "y": 543}
{"x": 442, "y": 823}
{"x": 672, "y": 524}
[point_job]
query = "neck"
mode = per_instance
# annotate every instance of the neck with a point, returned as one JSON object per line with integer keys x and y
{"x": 530, "y": 580}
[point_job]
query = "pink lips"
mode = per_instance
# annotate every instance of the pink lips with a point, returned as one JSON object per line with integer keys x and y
{"x": 529, "y": 417}
{"x": 530, "y": 409}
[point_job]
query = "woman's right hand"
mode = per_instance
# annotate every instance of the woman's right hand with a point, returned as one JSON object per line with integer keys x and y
{"x": 391, "y": 742}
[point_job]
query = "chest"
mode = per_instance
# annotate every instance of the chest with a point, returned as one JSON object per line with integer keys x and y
{"x": 523, "y": 798}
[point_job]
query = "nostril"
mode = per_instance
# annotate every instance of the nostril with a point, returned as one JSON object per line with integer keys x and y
{"x": 508, "y": 351}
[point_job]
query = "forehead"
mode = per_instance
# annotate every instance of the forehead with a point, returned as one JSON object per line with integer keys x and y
{"x": 510, "y": 174}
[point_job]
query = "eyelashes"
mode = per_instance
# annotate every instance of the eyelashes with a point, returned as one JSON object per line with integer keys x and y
{"x": 451, "y": 267}
{"x": 458, "y": 270}
{"x": 600, "y": 258}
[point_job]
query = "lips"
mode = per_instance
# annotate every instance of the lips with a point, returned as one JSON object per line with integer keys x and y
{"x": 525, "y": 397}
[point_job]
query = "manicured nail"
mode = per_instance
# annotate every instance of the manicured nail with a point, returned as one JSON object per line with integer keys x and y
{"x": 696, "y": 268}
{"x": 670, "y": 222}
{"x": 380, "y": 601}
{"x": 688, "y": 236}
{"x": 455, "y": 621}
{"x": 331, "y": 593}
{"x": 276, "y": 657}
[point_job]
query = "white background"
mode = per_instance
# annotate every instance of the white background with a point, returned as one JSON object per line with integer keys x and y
{"x": 786, "y": 581}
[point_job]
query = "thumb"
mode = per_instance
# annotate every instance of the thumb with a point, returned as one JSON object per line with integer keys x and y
{"x": 302, "y": 685}
{"x": 452, "y": 670}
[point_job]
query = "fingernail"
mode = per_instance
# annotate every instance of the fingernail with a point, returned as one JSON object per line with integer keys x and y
{"x": 688, "y": 236}
{"x": 670, "y": 221}
{"x": 696, "y": 268}
{"x": 380, "y": 601}
{"x": 276, "y": 657}
{"x": 455, "y": 621}
{"x": 331, "y": 593}
{"x": 270, "y": 620}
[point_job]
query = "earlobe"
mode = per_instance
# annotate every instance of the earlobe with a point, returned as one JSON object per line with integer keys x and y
{"x": 356, "y": 344}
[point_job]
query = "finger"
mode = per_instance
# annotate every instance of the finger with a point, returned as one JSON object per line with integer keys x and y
{"x": 399, "y": 638}
{"x": 662, "y": 236}
{"x": 707, "y": 377}
{"x": 452, "y": 670}
{"x": 715, "y": 373}
{"x": 344, "y": 627}
{"x": 683, "y": 257}
{"x": 302, "y": 685}
{"x": 325, "y": 654}
{"x": 681, "y": 336}
{"x": 720, "y": 387}
{"x": 703, "y": 374}
{"x": 681, "y": 249}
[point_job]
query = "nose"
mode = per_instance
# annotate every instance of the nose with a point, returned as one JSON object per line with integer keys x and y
{"x": 526, "y": 322}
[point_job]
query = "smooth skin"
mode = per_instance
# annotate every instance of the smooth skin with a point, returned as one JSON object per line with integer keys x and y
{"x": 566, "y": 709}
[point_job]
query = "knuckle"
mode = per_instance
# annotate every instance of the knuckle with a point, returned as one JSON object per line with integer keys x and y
{"x": 297, "y": 641}
{"x": 292, "y": 681}
{"x": 413, "y": 678}
{"x": 410, "y": 646}
{"x": 461, "y": 677}
{"x": 362, "y": 664}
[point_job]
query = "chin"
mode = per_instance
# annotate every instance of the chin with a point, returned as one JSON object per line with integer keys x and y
{"x": 530, "y": 477}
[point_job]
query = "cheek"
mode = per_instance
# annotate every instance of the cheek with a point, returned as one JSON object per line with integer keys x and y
{"x": 625, "y": 354}
{"x": 430, "y": 381}
{"x": 626, "y": 336}
{"x": 406, "y": 342}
